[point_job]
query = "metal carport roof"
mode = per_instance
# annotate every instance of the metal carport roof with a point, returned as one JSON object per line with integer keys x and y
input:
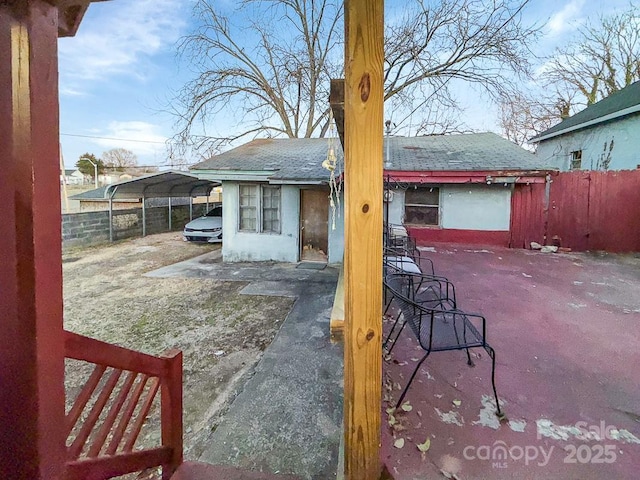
{"x": 166, "y": 184}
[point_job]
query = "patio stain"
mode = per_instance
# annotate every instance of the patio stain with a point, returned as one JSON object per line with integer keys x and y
{"x": 451, "y": 417}
{"x": 487, "y": 416}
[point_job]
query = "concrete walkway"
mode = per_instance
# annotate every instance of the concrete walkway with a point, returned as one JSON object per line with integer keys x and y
{"x": 287, "y": 418}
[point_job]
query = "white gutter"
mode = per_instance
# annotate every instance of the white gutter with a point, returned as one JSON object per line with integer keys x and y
{"x": 595, "y": 121}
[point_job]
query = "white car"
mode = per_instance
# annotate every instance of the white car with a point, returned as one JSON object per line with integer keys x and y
{"x": 205, "y": 229}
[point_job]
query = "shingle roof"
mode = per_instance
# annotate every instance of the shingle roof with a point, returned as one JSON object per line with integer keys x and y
{"x": 618, "y": 104}
{"x": 463, "y": 152}
{"x": 95, "y": 194}
{"x": 301, "y": 158}
{"x": 290, "y": 158}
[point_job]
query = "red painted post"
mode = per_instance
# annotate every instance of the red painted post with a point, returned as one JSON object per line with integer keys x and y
{"x": 31, "y": 343}
{"x": 171, "y": 411}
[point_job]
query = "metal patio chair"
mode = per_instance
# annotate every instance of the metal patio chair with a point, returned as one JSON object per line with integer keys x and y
{"x": 429, "y": 290}
{"x": 439, "y": 329}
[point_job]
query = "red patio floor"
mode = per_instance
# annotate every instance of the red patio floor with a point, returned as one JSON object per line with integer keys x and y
{"x": 565, "y": 328}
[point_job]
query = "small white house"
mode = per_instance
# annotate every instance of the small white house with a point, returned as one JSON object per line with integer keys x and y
{"x": 275, "y": 198}
{"x": 72, "y": 177}
{"x": 603, "y": 136}
{"x": 455, "y": 188}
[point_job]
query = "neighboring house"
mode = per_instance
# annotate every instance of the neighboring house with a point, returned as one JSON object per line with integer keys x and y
{"x": 603, "y": 136}
{"x": 444, "y": 188}
{"x": 94, "y": 200}
{"x": 73, "y": 177}
{"x": 110, "y": 178}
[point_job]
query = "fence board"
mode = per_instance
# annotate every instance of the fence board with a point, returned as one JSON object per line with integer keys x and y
{"x": 528, "y": 215}
{"x": 588, "y": 210}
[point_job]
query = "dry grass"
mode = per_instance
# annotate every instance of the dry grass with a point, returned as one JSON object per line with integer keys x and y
{"x": 107, "y": 297}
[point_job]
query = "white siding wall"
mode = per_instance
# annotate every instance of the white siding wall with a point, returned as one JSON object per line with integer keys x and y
{"x": 249, "y": 247}
{"x": 475, "y": 207}
{"x": 336, "y": 237}
{"x": 625, "y": 155}
{"x": 465, "y": 207}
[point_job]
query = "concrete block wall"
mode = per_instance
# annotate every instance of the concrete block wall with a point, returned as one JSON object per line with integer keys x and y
{"x": 91, "y": 228}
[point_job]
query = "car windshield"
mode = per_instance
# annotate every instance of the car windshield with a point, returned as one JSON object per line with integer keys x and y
{"x": 215, "y": 212}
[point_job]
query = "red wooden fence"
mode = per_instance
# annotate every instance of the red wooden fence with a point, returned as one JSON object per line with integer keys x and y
{"x": 527, "y": 215}
{"x": 588, "y": 210}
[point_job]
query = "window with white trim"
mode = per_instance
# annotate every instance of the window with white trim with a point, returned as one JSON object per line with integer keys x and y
{"x": 422, "y": 206}
{"x": 270, "y": 209}
{"x": 248, "y": 208}
{"x": 576, "y": 160}
{"x": 259, "y": 208}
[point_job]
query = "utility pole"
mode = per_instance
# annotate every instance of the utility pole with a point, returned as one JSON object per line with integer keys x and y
{"x": 95, "y": 170}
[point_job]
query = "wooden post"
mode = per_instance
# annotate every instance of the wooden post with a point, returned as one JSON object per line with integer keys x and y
{"x": 171, "y": 411}
{"x": 32, "y": 438}
{"x": 363, "y": 111}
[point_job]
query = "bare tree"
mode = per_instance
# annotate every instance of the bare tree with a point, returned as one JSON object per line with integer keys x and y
{"x": 273, "y": 72}
{"x": 271, "y": 77}
{"x": 522, "y": 117}
{"x": 119, "y": 158}
{"x": 604, "y": 59}
{"x": 434, "y": 43}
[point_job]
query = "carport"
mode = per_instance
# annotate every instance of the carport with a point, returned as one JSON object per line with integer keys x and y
{"x": 168, "y": 184}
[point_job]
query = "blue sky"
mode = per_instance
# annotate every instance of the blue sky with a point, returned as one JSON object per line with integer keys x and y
{"x": 119, "y": 73}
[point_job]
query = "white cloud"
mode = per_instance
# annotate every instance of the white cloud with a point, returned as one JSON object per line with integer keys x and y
{"x": 116, "y": 38}
{"x": 117, "y": 134}
{"x": 566, "y": 18}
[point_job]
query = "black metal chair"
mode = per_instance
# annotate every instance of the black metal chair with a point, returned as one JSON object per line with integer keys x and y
{"x": 438, "y": 329}
{"x": 429, "y": 290}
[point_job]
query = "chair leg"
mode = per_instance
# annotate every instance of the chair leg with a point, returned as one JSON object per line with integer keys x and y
{"x": 492, "y": 354}
{"x": 386, "y": 340}
{"x": 464, "y": 337}
{"x": 404, "y": 392}
{"x": 387, "y": 306}
{"x": 469, "y": 361}
{"x": 397, "y": 336}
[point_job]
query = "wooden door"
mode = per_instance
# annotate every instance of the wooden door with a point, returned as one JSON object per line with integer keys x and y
{"x": 314, "y": 225}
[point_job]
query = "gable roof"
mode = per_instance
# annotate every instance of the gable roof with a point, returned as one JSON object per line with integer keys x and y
{"x": 619, "y": 104}
{"x": 300, "y": 159}
{"x": 281, "y": 159}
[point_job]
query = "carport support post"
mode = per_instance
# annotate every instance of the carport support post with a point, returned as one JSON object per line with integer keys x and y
{"x": 190, "y": 208}
{"x": 112, "y": 194}
{"x": 110, "y": 219}
{"x": 363, "y": 112}
{"x": 144, "y": 217}
{"x": 169, "y": 213}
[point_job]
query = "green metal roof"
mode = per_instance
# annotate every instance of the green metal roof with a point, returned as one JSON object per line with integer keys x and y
{"x": 619, "y": 104}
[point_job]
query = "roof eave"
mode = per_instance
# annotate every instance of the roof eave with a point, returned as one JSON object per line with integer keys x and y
{"x": 235, "y": 175}
{"x": 605, "y": 118}
{"x": 70, "y": 14}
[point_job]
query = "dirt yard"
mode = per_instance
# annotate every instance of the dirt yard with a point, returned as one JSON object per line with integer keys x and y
{"x": 221, "y": 333}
